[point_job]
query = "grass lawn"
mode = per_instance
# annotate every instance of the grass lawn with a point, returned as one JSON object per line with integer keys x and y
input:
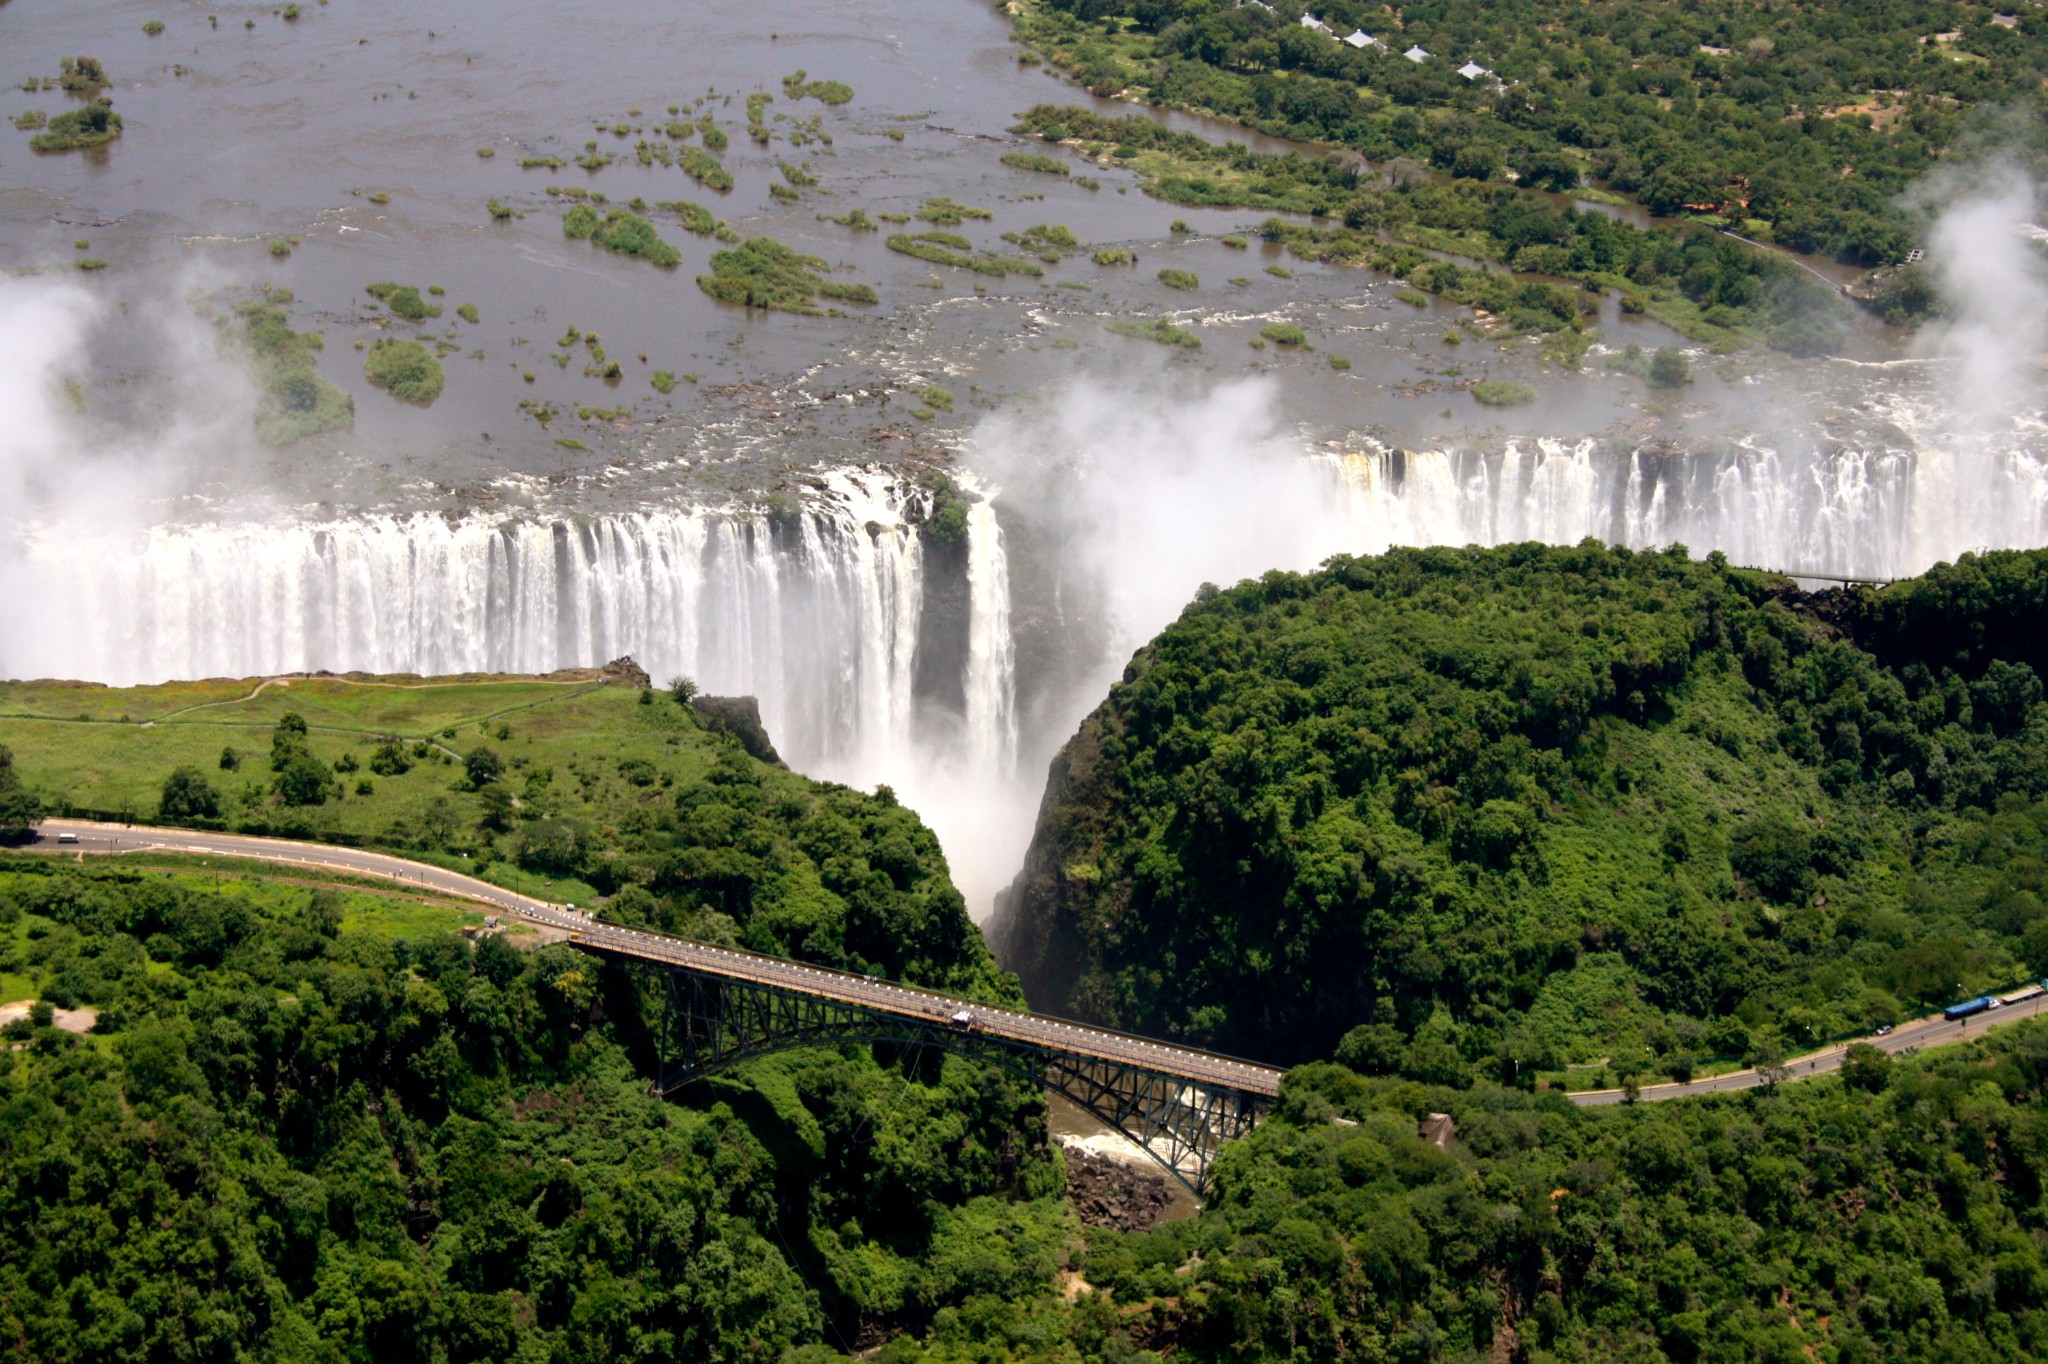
{"x": 562, "y": 744}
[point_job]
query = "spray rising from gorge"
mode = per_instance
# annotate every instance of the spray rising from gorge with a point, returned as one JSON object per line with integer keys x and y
{"x": 952, "y": 670}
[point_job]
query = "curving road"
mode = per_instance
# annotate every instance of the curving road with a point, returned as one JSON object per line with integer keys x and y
{"x": 887, "y": 997}
{"x": 66, "y": 835}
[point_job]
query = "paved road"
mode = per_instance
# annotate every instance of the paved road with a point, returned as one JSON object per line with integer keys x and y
{"x": 1932, "y": 1031}
{"x": 1039, "y": 1029}
{"x": 925, "y": 1005}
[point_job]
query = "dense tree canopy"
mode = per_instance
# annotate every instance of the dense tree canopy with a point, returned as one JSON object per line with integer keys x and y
{"x": 290, "y": 1139}
{"x": 1805, "y": 119}
{"x": 1450, "y": 812}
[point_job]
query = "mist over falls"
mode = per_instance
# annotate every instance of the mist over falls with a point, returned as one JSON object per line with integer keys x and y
{"x": 953, "y": 671}
{"x": 952, "y": 665}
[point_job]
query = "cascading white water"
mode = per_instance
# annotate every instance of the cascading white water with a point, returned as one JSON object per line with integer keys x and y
{"x": 1877, "y": 513}
{"x": 817, "y": 615}
{"x": 991, "y": 655}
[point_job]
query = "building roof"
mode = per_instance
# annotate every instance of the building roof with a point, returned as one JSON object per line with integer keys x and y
{"x": 1472, "y": 71}
{"x": 1310, "y": 21}
{"x": 1416, "y": 54}
{"x": 1361, "y": 39}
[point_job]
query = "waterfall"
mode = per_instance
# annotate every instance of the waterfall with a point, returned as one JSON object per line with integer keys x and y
{"x": 815, "y": 612}
{"x": 1880, "y": 512}
{"x": 991, "y": 660}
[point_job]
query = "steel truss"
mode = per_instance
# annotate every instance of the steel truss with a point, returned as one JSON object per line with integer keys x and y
{"x": 714, "y": 1022}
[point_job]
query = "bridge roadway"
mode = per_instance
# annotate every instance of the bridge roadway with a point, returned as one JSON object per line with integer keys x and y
{"x": 927, "y": 1006}
{"x": 923, "y": 1005}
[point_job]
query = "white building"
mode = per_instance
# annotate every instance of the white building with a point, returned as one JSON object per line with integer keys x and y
{"x": 1416, "y": 54}
{"x": 1310, "y": 21}
{"x": 1472, "y": 71}
{"x": 1361, "y": 40}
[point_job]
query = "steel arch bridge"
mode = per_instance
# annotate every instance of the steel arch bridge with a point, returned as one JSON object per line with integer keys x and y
{"x": 716, "y": 1018}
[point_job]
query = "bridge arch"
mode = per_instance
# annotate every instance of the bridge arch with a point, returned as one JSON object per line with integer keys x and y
{"x": 713, "y": 1022}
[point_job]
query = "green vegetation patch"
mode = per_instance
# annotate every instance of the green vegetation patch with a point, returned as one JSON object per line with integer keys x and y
{"x": 295, "y": 402}
{"x": 404, "y": 301}
{"x": 622, "y": 231}
{"x": 405, "y": 369}
{"x": 94, "y": 125}
{"x": 696, "y": 218}
{"x": 1180, "y": 279}
{"x": 702, "y": 167}
{"x": 1502, "y": 393}
{"x": 83, "y": 76}
{"x": 1731, "y": 125}
{"x": 1160, "y": 330}
{"x": 943, "y": 212}
{"x": 1035, "y": 161}
{"x": 1284, "y": 334}
{"x": 763, "y": 273}
{"x": 798, "y": 86}
{"x": 946, "y": 248}
{"x": 1711, "y": 287}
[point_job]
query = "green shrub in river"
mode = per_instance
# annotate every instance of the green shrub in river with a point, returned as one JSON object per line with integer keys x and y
{"x": 1160, "y": 330}
{"x": 405, "y": 369}
{"x": 831, "y": 92}
{"x": 1179, "y": 279}
{"x": 1283, "y": 334}
{"x": 295, "y": 402}
{"x": 763, "y": 273}
{"x": 943, "y": 212}
{"x": 94, "y": 125}
{"x": 696, "y": 218}
{"x": 622, "y": 231}
{"x": 703, "y": 168}
{"x": 1502, "y": 393}
{"x": 403, "y": 300}
{"x": 1034, "y": 161}
{"x": 946, "y": 248}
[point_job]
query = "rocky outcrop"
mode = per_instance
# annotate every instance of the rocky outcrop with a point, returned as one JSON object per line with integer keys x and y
{"x": 1034, "y": 930}
{"x": 739, "y": 716}
{"x": 1107, "y": 1192}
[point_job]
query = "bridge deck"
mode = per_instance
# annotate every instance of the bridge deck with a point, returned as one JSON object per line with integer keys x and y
{"x": 928, "y": 1006}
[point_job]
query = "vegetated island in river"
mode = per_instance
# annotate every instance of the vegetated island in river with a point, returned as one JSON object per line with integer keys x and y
{"x": 1708, "y": 286}
{"x": 1790, "y": 125}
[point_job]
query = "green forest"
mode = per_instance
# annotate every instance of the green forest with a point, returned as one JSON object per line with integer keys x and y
{"x": 1804, "y": 121}
{"x": 295, "y": 1133}
{"x": 1429, "y": 825}
{"x": 1702, "y": 283}
{"x": 1487, "y": 813}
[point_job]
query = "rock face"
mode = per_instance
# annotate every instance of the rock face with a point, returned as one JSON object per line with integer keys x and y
{"x": 1034, "y": 930}
{"x": 739, "y": 716}
{"x": 1107, "y": 1192}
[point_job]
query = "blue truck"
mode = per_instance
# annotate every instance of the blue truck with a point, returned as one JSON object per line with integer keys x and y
{"x": 1971, "y": 1006}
